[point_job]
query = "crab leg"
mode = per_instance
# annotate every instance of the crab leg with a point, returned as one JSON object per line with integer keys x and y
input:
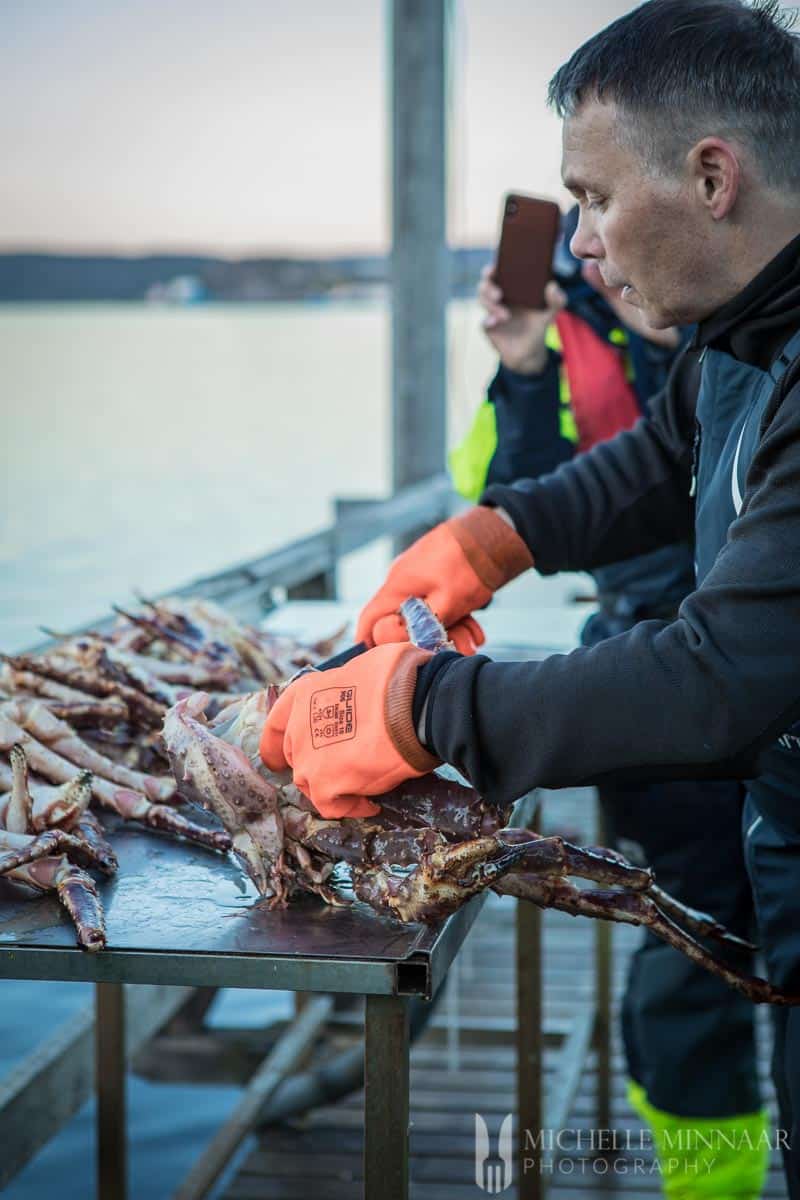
{"x": 120, "y": 666}
{"x": 698, "y": 923}
{"x": 89, "y": 830}
{"x": 51, "y": 805}
{"x": 125, "y": 801}
{"x": 17, "y": 849}
{"x": 183, "y": 645}
{"x": 63, "y": 700}
{"x": 554, "y": 855}
{"x": 90, "y": 678}
{"x": 19, "y": 810}
{"x": 639, "y": 909}
{"x": 135, "y": 807}
{"x": 193, "y": 675}
{"x": 35, "y": 720}
{"x": 77, "y": 892}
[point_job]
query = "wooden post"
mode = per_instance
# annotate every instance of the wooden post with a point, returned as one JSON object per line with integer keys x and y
{"x": 420, "y": 264}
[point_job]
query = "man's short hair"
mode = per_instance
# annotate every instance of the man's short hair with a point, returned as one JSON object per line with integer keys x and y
{"x": 681, "y": 70}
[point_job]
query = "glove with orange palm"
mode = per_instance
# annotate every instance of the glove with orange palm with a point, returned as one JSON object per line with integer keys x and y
{"x": 455, "y": 568}
{"x": 348, "y": 733}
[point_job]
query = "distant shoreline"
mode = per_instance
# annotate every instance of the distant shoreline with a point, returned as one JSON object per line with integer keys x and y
{"x": 188, "y": 279}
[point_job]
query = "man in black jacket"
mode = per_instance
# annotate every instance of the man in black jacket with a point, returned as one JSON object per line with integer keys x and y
{"x": 682, "y": 148}
{"x": 689, "y": 1038}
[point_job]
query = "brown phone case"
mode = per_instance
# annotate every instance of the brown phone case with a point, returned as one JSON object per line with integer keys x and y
{"x": 525, "y": 255}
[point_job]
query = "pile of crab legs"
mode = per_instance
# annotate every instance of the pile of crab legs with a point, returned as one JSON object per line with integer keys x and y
{"x": 433, "y": 846}
{"x": 86, "y": 716}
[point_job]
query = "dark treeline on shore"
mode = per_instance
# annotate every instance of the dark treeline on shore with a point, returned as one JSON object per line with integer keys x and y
{"x": 187, "y": 278}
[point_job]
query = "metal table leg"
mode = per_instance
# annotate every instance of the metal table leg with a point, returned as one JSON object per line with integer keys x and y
{"x": 110, "y": 1085}
{"x": 530, "y": 1107}
{"x": 386, "y": 1087}
{"x": 602, "y": 1028}
{"x": 602, "y": 993}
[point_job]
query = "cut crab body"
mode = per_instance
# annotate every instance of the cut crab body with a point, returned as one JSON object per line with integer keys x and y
{"x": 219, "y": 776}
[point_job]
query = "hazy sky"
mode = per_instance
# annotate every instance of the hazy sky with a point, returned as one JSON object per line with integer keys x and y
{"x": 257, "y": 125}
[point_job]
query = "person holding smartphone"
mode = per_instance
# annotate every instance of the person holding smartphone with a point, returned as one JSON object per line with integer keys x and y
{"x": 681, "y": 145}
{"x": 689, "y": 1039}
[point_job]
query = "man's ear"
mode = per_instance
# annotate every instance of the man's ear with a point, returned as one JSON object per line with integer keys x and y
{"x": 716, "y": 172}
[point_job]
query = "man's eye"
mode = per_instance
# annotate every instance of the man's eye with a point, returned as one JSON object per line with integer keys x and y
{"x": 592, "y": 203}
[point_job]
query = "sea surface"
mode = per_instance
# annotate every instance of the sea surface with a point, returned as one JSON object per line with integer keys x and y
{"x": 144, "y": 446}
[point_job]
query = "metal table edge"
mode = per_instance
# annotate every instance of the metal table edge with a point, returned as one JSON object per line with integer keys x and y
{"x": 67, "y": 965}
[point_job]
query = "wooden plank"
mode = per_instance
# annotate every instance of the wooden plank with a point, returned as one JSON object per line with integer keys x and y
{"x": 61, "y": 1069}
{"x": 322, "y": 1158}
{"x": 279, "y": 1063}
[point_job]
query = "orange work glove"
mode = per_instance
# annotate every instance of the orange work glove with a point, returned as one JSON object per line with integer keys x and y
{"x": 455, "y": 568}
{"x": 348, "y": 733}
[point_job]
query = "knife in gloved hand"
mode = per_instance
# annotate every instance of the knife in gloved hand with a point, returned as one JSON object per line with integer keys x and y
{"x": 344, "y": 656}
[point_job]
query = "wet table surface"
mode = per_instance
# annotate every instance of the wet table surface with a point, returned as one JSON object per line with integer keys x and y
{"x": 177, "y": 913}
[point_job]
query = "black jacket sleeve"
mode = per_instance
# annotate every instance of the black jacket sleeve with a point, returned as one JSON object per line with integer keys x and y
{"x": 625, "y": 497}
{"x": 697, "y": 696}
{"x": 528, "y": 419}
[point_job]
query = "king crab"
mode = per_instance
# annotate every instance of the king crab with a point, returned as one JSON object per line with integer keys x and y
{"x": 434, "y": 844}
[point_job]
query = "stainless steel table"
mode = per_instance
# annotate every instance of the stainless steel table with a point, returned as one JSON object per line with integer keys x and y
{"x": 178, "y": 914}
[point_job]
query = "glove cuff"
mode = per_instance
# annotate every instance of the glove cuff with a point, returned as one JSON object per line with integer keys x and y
{"x": 399, "y": 704}
{"x": 494, "y": 550}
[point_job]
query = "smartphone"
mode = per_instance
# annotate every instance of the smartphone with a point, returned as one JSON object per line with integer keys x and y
{"x": 525, "y": 255}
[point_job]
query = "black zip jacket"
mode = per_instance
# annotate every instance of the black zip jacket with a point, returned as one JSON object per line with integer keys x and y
{"x": 529, "y": 444}
{"x": 700, "y": 696}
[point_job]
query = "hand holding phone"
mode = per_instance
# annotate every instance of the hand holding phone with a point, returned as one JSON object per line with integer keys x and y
{"x": 525, "y": 255}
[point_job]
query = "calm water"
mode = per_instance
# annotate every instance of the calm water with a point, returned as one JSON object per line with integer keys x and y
{"x": 142, "y": 447}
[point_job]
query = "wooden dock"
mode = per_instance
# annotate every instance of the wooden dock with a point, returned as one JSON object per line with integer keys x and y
{"x": 464, "y": 1064}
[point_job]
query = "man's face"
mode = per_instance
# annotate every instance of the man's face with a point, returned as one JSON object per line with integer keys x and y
{"x": 648, "y": 236}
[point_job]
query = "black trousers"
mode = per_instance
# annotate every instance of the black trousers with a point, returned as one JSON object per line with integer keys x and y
{"x": 772, "y": 854}
{"x": 689, "y": 1037}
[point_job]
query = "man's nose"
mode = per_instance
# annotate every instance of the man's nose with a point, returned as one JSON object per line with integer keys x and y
{"x": 584, "y": 242}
